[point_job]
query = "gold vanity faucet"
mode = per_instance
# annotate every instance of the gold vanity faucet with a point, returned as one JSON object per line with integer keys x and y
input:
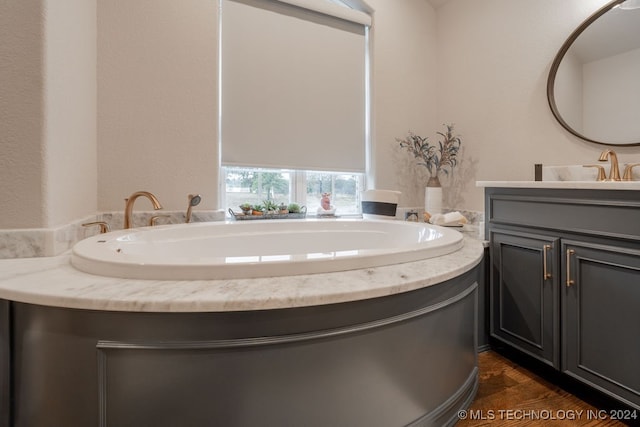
{"x": 628, "y": 172}
{"x": 128, "y": 209}
{"x": 614, "y": 175}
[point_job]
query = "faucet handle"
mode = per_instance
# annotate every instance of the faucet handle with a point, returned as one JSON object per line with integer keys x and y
{"x": 614, "y": 174}
{"x": 602, "y": 176}
{"x": 154, "y": 219}
{"x": 628, "y": 172}
{"x": 104, "y": 226}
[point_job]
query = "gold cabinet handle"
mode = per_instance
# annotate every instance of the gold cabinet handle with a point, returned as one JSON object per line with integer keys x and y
{"x": 545, "y": 271}
{"x": 569, "y": 280}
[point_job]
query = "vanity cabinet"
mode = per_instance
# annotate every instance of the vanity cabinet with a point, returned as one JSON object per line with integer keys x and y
{"x": 565, "y": 281}
{"x": 524, "y": 293}
{"x": 601, "y": 317}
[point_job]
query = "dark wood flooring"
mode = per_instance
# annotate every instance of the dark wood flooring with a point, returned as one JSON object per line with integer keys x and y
{"x": 510, "y": 395}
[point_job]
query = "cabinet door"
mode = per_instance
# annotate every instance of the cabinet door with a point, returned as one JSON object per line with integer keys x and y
{"x": 5, "y": 364}
{"x": 601, "y": 317}
{"x": 524, "y": 293}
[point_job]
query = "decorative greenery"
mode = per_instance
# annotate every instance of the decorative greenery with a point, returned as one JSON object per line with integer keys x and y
{"x": 436, "y": 159}
{"x": 246, "y": 206}
{"x": 294, "y": 208}
{"x": 258, "y": 208}
{"x": 270, "y": 205}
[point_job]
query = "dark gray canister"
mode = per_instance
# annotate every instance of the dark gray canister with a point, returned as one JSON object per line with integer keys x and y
{"x": 380, "y": 204}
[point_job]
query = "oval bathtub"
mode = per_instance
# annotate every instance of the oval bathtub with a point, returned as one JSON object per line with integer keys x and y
{"x": 251, "y": 249}
{"x": 388, "y": 347}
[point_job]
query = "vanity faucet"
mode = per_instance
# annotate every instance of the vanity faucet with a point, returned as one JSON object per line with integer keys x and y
{"x": 628, "y": 172}
{"x": 128, "y": 209}
{"x": 614, "y": 174}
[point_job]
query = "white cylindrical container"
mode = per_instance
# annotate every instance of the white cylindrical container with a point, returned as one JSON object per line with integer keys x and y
{"x": 380, "y": 204}
{"x": 433, "y": 200}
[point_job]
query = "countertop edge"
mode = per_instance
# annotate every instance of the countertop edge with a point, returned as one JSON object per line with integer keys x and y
{"x": 69, "y": 288}
{"x": 587, "y": 185}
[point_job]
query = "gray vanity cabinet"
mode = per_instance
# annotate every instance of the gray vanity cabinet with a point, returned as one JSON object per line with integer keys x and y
{"x": 565, "y": 282}
{"x": 601, "y": 317}
{"x": 524, "y": 295}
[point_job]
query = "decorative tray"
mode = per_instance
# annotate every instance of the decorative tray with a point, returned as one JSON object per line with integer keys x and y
{"x": 239, "y": 216}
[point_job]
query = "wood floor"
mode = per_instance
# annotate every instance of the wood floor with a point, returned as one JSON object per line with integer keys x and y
{"x": 510, "y": 395}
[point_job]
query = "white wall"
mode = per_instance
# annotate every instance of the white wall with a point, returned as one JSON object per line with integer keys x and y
{"x": 404, "y": 91}
{"x": 157, "y": 63}
{"x": 47, "y": 101}
{"x": 612, "y": 97}
{"x": 157, "y": 101}
{"x": 494, "y": 57}
{"x": 21, "y": 113}
{"x": 568, "y": 91}
{"x": 484, "y": 64}
{"x": 70, "y": 178}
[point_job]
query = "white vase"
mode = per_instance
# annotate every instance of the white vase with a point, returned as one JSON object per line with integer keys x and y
{"x": 433, "y": 196}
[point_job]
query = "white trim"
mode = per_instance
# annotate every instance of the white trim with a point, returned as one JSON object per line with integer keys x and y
{"x": 297, "y": 186}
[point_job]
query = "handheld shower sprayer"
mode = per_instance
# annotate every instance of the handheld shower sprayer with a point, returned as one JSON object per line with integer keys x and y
{"x": 194, "y": 200}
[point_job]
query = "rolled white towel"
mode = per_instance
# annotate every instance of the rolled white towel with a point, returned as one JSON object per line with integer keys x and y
{"x": 448, "y": 219}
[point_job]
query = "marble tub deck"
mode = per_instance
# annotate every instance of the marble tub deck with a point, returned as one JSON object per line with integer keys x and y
{"x": 54, "y": 282}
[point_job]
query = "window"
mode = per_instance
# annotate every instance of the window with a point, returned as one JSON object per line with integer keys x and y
{"x": 293, "y": 85}
{"x": 294, "y": 96}
{"x": 345, "y": 191}
{"x": 254, "y": 186}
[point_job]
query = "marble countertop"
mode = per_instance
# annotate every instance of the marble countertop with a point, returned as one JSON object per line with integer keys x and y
{"x": 52, "y": 281}
{"x": 588, "y": 185}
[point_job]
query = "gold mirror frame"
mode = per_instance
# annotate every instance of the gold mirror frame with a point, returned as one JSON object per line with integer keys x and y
{"x": 556, "y": 64}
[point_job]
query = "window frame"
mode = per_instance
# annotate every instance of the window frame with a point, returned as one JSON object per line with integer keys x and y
{"x": 297, "y": 188}
{"x": 298, "y": 191}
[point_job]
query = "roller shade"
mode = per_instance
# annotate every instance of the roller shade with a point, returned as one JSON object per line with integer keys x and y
{"x": 292, "y": 85}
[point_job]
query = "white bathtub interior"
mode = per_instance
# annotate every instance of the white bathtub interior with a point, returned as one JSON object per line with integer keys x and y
{"x": 250, "y": 249}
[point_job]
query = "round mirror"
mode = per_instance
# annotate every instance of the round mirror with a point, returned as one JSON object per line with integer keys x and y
{"x": 594, "y": 83}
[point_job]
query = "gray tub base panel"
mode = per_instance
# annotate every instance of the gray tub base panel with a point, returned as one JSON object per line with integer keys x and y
{"x": 404, "y": 360}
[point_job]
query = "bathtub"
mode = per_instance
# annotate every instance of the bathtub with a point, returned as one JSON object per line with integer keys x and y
{"x": 387, "y": 346}
{"x": 253, "y": 249}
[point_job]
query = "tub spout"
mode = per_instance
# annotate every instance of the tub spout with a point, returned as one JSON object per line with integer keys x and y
{"x": 128, "y": 209}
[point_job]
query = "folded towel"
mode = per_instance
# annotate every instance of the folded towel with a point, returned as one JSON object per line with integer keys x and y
{"x": 448, "y": 219}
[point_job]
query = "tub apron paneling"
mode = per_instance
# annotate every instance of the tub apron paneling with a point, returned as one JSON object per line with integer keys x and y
{"x": 405, "y": 359}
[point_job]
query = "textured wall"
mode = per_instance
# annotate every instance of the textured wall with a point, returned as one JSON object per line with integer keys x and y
{"x": 480, "y": 65}
{"x": 404, "y": 91}
{"x": 70, "y": 179}
{"x": 493, "y": 60}
{"x": 21, "y": 114}
{"x": 157, "y": 101}
{"x": 157, "y": 105}
{"x": 47, "y": 102}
